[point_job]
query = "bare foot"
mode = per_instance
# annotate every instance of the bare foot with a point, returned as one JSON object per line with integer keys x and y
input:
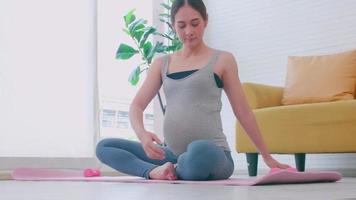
{"x": 164, "y": 172}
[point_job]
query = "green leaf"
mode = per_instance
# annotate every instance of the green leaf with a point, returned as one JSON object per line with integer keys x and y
{"x": 176, "y": 45}
{"x": 163, "y": 35}
{"x": 170, "y": 48}
{"x": 161, "y": 48}
{"x": 138, "y": 35}
{"x": 125, "y": 52}
{"x": 145, "y": 36}
{"x": 138, "y": 32}
{"x": 153, "y": 51}
{"x": 138, "y": 24}
{"x": 139, "y": 28}
{"x": 166, "y": 6}
{"x": 135, "y": 76}
{"x": 147, "y": 49}
{"x": 129, "y": 17}
{"x": 171, "y": 33}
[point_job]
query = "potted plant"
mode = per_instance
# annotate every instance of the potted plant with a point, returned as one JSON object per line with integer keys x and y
{"x": 140, "y": 33}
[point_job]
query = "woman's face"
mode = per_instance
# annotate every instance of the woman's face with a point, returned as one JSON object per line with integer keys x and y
{"x": 190, "y": 26}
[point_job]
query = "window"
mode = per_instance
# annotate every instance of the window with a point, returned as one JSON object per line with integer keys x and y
{"x": 107, "y": 118}
{"x": 122, "y": 120}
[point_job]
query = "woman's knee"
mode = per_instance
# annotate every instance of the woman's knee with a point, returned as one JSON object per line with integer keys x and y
{"x": 203, "y": 148}
{"x": 104, "y": 144}
{"x": 100, "y": 148}
{"x": 201, "y": 153}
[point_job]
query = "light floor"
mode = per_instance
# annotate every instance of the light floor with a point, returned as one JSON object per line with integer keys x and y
{"x": 28, "y": 190}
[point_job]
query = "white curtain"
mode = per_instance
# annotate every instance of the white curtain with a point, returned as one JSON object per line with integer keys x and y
{"x": 47, "y": 78}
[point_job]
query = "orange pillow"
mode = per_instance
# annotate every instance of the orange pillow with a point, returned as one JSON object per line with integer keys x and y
{"x": 312, "y": 79}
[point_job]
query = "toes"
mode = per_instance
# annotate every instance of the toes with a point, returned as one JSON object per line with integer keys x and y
{"x": 170, "y": 172}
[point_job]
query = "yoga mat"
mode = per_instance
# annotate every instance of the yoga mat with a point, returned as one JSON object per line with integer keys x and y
{"x": 275, "y": 176}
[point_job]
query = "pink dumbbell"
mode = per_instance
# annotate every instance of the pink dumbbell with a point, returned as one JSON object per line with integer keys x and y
{"x": 91, "y": 172}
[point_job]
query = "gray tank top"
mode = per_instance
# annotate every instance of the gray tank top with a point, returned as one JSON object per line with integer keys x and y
{"x": 193, "y": 108}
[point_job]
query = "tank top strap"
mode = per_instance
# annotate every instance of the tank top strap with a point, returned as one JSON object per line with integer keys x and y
{"x": 213, "y": 59}
{"x": 164, "y": 68}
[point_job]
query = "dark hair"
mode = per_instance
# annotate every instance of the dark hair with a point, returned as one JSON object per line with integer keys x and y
{"x": 197, "y": 5}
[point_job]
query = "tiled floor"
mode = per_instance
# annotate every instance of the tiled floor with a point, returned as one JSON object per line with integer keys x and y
{"x": 23, "y": 190}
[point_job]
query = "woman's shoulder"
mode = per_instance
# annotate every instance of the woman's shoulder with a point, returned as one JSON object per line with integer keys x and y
{"x": 225, "y": 55}
{"x": 226, "y": 59}
{"x": 159, "y": 60}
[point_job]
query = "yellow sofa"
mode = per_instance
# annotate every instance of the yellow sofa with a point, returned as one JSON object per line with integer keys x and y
{"x": 328, "y": 127}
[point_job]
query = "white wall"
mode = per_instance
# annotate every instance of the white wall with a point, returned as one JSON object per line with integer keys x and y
{"x": 261, "y": 34}
{"x": 47, "y": 78}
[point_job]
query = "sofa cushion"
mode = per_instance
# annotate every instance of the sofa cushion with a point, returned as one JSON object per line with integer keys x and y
{"x": 312, "y": 79}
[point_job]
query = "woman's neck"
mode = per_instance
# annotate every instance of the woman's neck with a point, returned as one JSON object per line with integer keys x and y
{"x": 187, "y": 52}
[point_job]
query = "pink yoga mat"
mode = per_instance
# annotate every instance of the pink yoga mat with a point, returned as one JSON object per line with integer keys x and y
{"x": 275, "y": 176}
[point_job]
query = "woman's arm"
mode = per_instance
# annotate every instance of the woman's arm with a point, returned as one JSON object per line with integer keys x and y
{"x": 145, "y": 94}
{"x": 241, "y": 109}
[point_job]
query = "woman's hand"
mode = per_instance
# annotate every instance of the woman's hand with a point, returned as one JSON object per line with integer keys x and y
{"x": 272, "y": 163}
{"x": 149, "y": 143}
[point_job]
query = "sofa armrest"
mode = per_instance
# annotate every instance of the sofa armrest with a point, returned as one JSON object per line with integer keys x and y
{"x": 325, "y": 127}
{"x": 261, "y": 96}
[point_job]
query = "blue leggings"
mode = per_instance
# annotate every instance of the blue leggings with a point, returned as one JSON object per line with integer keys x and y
{"x": 203, "y": 160}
